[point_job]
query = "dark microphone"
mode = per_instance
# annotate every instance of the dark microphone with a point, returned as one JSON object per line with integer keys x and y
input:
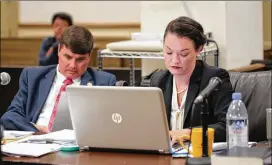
{"x": 200, "y": 99}
{"x": 213, "y": 83}
{"x": 4, "y": 78}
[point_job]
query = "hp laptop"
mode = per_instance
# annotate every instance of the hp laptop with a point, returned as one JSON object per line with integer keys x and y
{"x": 119, "y": 118}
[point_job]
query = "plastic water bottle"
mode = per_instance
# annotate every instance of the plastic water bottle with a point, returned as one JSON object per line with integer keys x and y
{"x": 237, "y": 123}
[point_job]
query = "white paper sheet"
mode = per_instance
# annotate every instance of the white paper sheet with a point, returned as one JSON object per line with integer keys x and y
{"x": 63, "y": 135}
{"x": 29, "y": 149}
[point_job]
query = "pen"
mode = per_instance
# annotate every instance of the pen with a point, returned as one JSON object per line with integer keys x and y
{"x": 48, "y": 141}
{"x": 16, "y": 135}
{"x": 38, "y": 141}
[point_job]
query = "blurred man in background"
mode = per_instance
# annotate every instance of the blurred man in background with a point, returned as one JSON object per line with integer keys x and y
{"x": 49, "y": 49}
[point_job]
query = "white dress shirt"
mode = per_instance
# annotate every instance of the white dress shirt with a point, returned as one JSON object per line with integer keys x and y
{"x": 177, "y": 112}
{"x": 51, "y": 98}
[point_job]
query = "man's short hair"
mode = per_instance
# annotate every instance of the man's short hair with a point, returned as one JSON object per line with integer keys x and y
{"x": 64, "y": 16}
{"x": 78, "y": 39}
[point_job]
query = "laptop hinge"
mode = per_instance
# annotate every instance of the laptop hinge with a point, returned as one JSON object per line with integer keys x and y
{"x": 85, "y": 148}
{"x": 163, "y": 152}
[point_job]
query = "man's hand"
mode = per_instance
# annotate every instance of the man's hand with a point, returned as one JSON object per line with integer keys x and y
{"x": 42, "y": 129}
{"x": 175, "y": 135}
{"x": 50, "y": 50}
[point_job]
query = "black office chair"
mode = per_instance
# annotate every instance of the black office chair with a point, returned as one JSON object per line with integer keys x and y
{"x": 256, "y": 92}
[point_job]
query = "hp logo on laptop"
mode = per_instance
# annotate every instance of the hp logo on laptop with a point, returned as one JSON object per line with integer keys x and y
{"x": 116, "y": 118}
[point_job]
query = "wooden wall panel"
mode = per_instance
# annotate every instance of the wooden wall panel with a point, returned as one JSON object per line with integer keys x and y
{"x": 20, "y": 51}
{"x": 24, "y": 50}
{"x": 267, "y": 17}
{"x": 9, "y": 18}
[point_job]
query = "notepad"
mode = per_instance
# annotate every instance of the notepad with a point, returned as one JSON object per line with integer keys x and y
{"x": 16, "y": 134}
{"x": 223, "y": 145}
{"x": 217, "y": 147}
{"x": 29, "y": 149}
{"x": 13, "y": 136}
{"x": 63, "y": 135}
{"x": 248, "y": 152}
{"x": 236, "y": 160}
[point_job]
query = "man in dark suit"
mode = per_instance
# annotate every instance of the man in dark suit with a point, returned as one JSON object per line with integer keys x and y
{"x": 35, "y": 103}
{"x": 49, "y": 49}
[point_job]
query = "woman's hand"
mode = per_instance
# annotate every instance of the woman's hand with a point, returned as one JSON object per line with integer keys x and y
{"x": 176, "y": 134}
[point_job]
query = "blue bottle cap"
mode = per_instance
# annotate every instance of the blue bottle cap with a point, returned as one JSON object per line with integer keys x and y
{"x": 236, "y": 96}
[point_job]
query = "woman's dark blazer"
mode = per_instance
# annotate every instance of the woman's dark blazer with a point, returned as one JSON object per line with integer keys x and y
{"x": 218, "y": 101}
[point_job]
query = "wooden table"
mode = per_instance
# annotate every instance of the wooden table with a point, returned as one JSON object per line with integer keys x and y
{"x": 100, "y": 158}
{"x": 103, "y": 158}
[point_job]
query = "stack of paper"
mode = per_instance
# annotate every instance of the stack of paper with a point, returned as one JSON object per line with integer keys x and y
{"x": 223, "y": 146}
{"x": 60, "y": 137}
{"x": 29, "y": 149}
{"x": 16, "y": 134}
{"x": 11, "y": 136}
{"x": 236, "y": 160}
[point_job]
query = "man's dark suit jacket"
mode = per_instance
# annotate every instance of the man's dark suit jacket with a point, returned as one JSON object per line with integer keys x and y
{"x": 34, "y": 86}
{"x": 51, "y": 59}
{"x": 218, "y": 101}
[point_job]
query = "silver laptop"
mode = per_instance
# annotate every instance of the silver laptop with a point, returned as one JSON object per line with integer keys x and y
{"x": 63, "y": 118}
{"x": 122, "y": 118}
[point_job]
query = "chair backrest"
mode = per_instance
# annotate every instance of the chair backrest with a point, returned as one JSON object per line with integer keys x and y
{"x": 256, "y": 95}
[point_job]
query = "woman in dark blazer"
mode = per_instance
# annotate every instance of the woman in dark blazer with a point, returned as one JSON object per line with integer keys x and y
{"x": 186, "y": 77}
